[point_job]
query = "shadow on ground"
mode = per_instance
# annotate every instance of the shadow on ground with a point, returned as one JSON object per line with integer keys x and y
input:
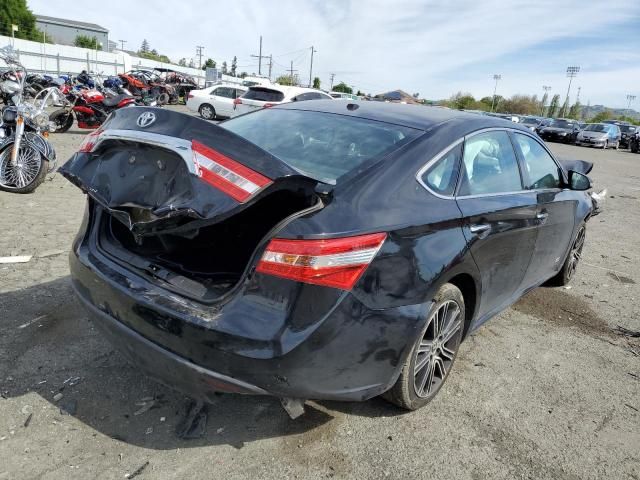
{"x": 47, "y": 340}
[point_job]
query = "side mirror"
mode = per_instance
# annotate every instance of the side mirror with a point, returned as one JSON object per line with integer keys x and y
{"x": 579, "y": 181}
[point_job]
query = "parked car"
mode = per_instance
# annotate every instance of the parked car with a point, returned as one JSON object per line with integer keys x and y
{"x": 603, "y": 135}
{"x": 258, "y": 97}
{"x": 215, "y": 101}
{"x": 314, "y": 250}
{"x": 634, "y": 142}
{"x": 344, "y": 96}
{"x": 560, "y": 130}
{"x": 530, "y": 122}
{"x": 626, "y": 132}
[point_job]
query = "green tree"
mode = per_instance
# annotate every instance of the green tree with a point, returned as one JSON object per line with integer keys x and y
{"x": 359, "y": 93}
{"x": 316, "y": 82}
{"x": 599, "y": 117}
{"x": 342, "y": 87}
{"x": 234, "y": 66}
{"x": 543, "y": 103}
{"x": 16, "y": 12}
{"x": 144, "y": 48}
{"x": 84, "y": 41}
{"x": 209, "y": 63}
{"x": 192, "y": 64}
{"x": 154, "y": 52}
{"x": 243, "y": 74}
{"x": 224, "y": 68}
{"x": 284, "y": 80}
{"x": 564, "y": 111}
{"x": 574, "y": 111}
{"x": 553, "y": 106}
{"x": 462, "y": 101}
{"x": 182, "y": 62}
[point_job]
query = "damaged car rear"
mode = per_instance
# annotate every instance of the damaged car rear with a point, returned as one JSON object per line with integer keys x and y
{"x": 313, "y": 251}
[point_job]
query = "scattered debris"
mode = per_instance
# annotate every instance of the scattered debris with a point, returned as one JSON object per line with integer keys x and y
{"x": 57, "y": 397}
{"x": 479, "y": 364}
{"x": 71, "y": 381}
{"x": 41, "y": 382}
{"x": 567, "y": 287}
{"x": 162, "y": 419}
{"x": 27, "y": 409}
{"x": 31, "y": 322}
{"x": 220, "y": 430}
{"x": 51, "y": 253}
{"x": 28, "y": 420}
{"x": 149, "y": 431}
{"x": 625, "y": 332}
{"x": 194, "y": 424}
{"x": 631, "y": 407}
{"x": 633, "y": 375}
{"x": 144, "y": 406}
{"x": 69, "y": 407}
{"x": 16, "y": 259}
{"x": 621, "y": 278}
{"x": 138, "y": 471}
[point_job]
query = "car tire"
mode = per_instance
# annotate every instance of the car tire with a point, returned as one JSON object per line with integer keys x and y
{"x": 618, "y": 145}
{"x": 207, "y": 112}
{"x": 566, "y": 273}
{"x": 427, "y": 368}
{"x": 605, "y": 145}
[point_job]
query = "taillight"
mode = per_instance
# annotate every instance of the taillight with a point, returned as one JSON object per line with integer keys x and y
{"x": 237, "y": 101}
{"x": 90, "y": 141}
{"x": 269, "y": 105}
{"x": 225, "y": 174}
{"x": 336, "y": 262}
{"x": 190, "y": 95}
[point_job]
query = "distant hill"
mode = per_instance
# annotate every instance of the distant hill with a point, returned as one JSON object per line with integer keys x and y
{"x": 590, "y": 111}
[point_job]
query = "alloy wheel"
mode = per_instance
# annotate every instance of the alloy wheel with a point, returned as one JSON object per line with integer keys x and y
{"x": 437, "y": 350}
{"x": 576, "y": 252}
{"x": 24, "y": 171}
{"x": 206, "y": 111}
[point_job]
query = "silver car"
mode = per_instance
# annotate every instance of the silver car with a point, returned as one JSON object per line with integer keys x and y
{"x": 600, "y": 135}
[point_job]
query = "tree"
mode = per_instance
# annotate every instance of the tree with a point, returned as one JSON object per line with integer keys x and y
{"x": 154, "y": 52}
{"x": 574, "y": 111}
{"x": 16, "y": 12}
{"x": 553, "y": 106}
{"x": 416, "y": 95}
{"x": 543, "y": 103}
{"x": 462, "y": 101}
{"x": 604, "y": 115}
{"x": 182, "y": 62}
{"x": 144, "y": 48}
{"x": 224, "y": 68}
{"x": 192, "y": 64}
{"x": 84, "y": 41}
{"x": 359, "y": 93}
{"x": 243, "y": 74}
{"x": 342, "y": 87}
{"x": 284, "y": 80}
{"x": 234, "y": 66}
{"x": 209, "y": 63}
{"x": 564, "y": 111}
{"x": 316, "y": 82}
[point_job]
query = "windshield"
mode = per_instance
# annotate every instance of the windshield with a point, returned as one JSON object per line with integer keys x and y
{"x": 562, "y": 124}
{"x": 529, "y": 121}
{"x": 321, "y": 145}
{"x": 597, "y": 127}
{"x": 627, "y": 128}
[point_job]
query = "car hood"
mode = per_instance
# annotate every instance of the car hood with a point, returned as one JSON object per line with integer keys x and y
{"x": 557, "y": 130}
{"x": 587, "y": 134}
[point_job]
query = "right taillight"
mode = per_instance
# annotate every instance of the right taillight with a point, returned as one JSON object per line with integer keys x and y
{"x": 237, "y": 101}
{"x": 90, "y": 141}
{"x": 335, "y": 262}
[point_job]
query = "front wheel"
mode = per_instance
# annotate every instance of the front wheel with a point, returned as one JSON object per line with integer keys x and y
{"x": 570, "y": 265}
{"x": 433, "y": 352}
{"x": 605, "y": 145}
{"x": 28, "y": 172}
{"x": 62, "y": 119}
{"x": 207, "y": 112}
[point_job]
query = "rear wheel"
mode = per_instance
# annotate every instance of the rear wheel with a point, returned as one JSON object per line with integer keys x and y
{"x": 28, "y": 172}
{"x": 62, "y": 119}
{"x": 207, "y": 112}
{"x": 163, "y": 98}
{"x": 433, "y": 353}
{"x": 605, "y": 145}
{"x": 570, "y": 265}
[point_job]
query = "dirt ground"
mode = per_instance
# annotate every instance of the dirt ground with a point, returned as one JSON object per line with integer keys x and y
{"x": 546, "y": 390}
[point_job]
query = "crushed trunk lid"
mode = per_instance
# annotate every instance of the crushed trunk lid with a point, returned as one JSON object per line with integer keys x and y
{"x": 156, "y": 170}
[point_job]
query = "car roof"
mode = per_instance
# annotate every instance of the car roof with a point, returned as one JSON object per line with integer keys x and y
{"x": 286, "y": 89}
{"x": 414, "y": 116}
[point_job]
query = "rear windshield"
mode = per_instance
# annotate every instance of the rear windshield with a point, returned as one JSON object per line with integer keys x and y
{"x": 627, "y": 128}
{"x": 529, "y": 121}
{"x": 264, "y": 95}
{"x": 597, "y": 127}
{"x": 562, "y": 124}
{"x": 323, "y": 146}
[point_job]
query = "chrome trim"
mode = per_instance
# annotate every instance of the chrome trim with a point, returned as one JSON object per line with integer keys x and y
{"x": 177, "y": 145}
{"x": 428, "y": 165}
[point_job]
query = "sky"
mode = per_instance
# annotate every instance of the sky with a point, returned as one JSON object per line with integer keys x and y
{"x": 434, "y": 48}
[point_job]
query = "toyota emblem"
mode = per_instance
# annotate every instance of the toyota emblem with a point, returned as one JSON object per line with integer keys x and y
{"x": 145, "y": 119}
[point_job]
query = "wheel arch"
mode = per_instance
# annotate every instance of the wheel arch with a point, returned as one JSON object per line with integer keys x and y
{"x": 467, "y": 285}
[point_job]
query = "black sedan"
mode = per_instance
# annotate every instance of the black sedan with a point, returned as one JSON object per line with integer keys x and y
{"x": 321, "y": 250}
{"x": 560, "y": 130}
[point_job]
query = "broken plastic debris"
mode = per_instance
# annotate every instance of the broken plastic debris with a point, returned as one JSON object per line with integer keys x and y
{"x": 144, "y": 406}
{"x": 194, "y": 424}
{"x": 57, "y": 397}
{"x": 16, "y": 259}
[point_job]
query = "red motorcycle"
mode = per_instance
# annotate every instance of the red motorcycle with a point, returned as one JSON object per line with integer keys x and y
{"x": 90, "y": 108}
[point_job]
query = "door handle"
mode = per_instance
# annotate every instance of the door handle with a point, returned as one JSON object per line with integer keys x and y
{"x": 480, "y": 229}
{"x": 542, "y": 216}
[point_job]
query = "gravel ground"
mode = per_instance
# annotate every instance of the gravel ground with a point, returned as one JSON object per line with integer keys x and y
{"x": 546, "y": 390}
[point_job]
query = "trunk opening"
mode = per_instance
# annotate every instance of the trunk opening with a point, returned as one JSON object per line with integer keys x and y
{"x": 207, "y": 261}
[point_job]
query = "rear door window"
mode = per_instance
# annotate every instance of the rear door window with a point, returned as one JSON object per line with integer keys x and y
{"x": 489, "y": 165}
{"x": 224, "y": 92}
{"x": 262, "y": 94}
{"x": 542, "y": 170}
{"x": 441, "y": 177}
{"x": 309, "y": 96}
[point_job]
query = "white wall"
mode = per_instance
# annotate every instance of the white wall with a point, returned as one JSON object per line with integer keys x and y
{"x": 63, "y": 59}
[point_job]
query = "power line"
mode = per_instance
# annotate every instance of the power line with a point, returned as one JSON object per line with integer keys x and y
{"x": 260, "y": 57}
{"x": 311, "y": 67}
{"x": 122, "y": 42}
{"x": 199, "y": 49}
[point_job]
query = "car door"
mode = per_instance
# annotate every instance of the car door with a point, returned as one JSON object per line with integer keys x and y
{"x": 499, "y": 216}
{"x": 223, "y": 101}
{"x": 555, "y": 213}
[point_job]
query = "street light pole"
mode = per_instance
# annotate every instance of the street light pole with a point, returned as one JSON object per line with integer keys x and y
{"x": 546, "y": 89}
{"x": 311, "y": 67}
{"x": 496, "y": 77}
{"x": 630, "y": 98}
{"x": 571, "y": 73}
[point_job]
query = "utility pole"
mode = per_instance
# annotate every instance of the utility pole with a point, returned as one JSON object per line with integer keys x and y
{"x": 311, "y": 67}
{"x": 199, "y": 49}
{"x": 332, "y": 77}
{"x": 578, "y": 96}
{"x": 122, "y": 42}
{"x": 291, "y": 70}
{"x": 630, "y": 99}
{"x": 571, "y": 73}
{"x": 270, "y": 65}
{"x": 260, "y": 57}
{"x": 496, "y": 77}
{"x": 546, "y": 89}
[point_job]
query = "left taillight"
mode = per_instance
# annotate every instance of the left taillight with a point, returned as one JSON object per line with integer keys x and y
{"x": 224, "y": 173}
{"x": 336, "y": 262}
{"x": 90, "y": 141}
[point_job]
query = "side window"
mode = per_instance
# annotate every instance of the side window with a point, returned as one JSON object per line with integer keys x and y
{"x": 441, "y": 177}
{"x": 224, "y": 92}
{"x": 542, "y": 170}
{"x": 489, "y": 165}
{"x": 238, "y": 93}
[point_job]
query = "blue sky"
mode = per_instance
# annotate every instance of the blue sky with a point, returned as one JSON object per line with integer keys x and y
{"x": 435, "y": 48}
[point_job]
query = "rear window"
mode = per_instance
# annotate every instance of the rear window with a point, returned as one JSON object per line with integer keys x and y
{"x": 264, "y": 95}
{"x": 321, "y": 145}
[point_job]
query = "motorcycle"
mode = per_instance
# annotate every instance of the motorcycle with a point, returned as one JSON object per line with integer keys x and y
{"x": 148, "y": 87}
{"x": 90, "y": 108}
{"x": 25, "y": 154}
